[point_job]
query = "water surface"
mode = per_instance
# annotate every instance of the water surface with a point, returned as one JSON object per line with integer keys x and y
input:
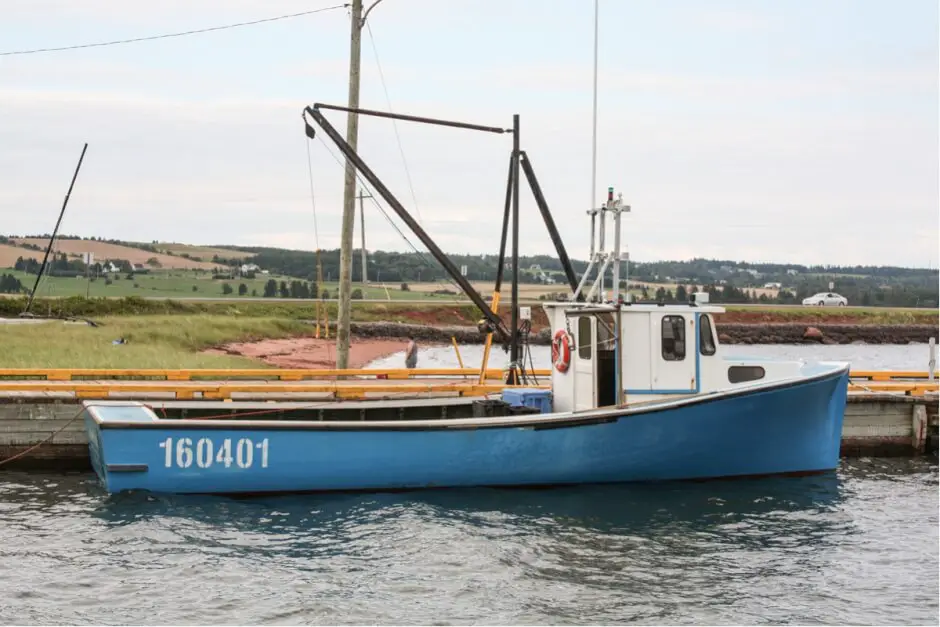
{"x": 857, "y": 546}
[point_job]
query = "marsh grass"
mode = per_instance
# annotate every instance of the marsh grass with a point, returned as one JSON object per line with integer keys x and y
{"x": 152, "y": 342}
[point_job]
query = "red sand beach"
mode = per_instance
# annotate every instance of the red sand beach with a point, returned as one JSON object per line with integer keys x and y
{"x": 307, "y": 352}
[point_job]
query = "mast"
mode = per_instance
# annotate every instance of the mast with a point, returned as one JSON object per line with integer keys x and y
{"x": 513, "y": 375}
{"x": 594, "y": 131}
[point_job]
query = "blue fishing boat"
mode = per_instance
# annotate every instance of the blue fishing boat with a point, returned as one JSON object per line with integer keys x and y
{"x": 638, "y": 392}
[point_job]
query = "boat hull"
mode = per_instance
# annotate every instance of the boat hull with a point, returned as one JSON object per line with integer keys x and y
{"x": 793, "y": 427}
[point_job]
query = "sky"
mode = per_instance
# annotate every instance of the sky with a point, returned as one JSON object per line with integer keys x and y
{"x": 796, "y": 132}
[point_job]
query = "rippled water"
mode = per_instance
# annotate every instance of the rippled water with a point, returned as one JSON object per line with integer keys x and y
{"x": 858, "y": 546}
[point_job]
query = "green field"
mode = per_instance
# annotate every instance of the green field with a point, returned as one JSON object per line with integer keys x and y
{"x": 152, "y": 342}
{"x": 829, "y": 315}
{"x": 183, "y": 284}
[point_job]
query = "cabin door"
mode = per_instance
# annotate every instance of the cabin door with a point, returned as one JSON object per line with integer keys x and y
{"x": 674, "y": 353}
{"x": 583, "y": 361}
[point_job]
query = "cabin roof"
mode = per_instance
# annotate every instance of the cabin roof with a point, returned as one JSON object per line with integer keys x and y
{"x": 572, "y": 307}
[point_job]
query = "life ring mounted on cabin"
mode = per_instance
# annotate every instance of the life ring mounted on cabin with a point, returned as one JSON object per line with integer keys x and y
{"x": 561, "y": 350}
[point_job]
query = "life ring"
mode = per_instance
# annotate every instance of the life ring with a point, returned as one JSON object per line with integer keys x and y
{"x": 561, "y": 350}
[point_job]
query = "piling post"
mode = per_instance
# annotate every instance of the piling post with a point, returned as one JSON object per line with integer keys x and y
{"x": 919, "y": 428}
{"x": 932, "y": 361}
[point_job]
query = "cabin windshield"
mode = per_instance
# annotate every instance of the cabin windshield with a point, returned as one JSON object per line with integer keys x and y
{"x": 706, "y": 338}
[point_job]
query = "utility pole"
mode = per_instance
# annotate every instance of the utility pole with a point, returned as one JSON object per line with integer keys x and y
{"x": 362, "y": 226}
{"x": 349, "y": 191}
{"x": 357, "y": 20}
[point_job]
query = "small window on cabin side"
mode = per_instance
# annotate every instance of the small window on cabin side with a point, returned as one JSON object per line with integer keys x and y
{"x": 584, "y": 337}
{"x": 673, "y": 338}
{"x": 742, "y": 374}
{"x": 706, "y": 339}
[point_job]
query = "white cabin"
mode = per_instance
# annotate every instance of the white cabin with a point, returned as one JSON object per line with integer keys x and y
{"x": 668, "y": 350}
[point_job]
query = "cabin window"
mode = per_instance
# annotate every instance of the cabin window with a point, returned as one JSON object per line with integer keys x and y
{"x": 740, "y": 374}
{"x": 673, "y": 338}
{"x": 584, "y": 337}
{"x": 706, "y": 339}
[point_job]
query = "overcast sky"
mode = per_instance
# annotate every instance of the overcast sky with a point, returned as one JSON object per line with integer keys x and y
{"x": 798, "y": 131}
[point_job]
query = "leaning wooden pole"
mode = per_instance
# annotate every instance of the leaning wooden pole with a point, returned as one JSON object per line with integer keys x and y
{"x": 55, "y": 231}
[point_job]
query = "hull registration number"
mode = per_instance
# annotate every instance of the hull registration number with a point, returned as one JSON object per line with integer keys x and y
{"x": 206, "y": 452}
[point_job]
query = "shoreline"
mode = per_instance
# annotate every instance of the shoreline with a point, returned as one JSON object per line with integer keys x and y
{"x": 728, "y": 333}
{"x": 307, "y": 352}
{"x": 372, "y": 341}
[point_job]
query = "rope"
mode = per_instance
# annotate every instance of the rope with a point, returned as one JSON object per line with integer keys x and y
{"x": 871, "y": 391}
{"x": 181, "y": 34}
{"x": 49, "y": 437}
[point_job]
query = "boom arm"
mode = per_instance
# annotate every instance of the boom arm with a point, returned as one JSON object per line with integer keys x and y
{"x": 494, "y": 320}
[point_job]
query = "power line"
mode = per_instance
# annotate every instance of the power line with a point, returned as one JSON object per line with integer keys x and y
{"x": 167, "y": 35}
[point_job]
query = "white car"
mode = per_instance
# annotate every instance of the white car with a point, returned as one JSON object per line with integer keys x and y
{"x": 826, "y": 298}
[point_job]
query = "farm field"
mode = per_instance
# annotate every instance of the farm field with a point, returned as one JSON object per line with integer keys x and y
{"x": 106, "y": 250}
{"x": 9, "y": 255}
{"x": 203, "y": 252}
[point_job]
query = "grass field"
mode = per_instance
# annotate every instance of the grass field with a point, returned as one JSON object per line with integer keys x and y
{"x": 152, "y": 342}
{"x": 189, "y": 284}
{"x": 161, "y": 283}
{"x": 829, "y": 315}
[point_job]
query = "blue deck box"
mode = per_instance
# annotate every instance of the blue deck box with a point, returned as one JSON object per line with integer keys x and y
{"x": 529, "y": 397}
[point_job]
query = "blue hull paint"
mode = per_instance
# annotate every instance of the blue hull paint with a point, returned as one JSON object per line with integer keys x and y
{"x": 791, "y": 429}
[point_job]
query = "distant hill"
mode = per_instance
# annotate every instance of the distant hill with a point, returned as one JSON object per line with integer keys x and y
{"x": 34, "y": 247}
{"x": 738, "y": 281}
{"x": 198, "y": 253}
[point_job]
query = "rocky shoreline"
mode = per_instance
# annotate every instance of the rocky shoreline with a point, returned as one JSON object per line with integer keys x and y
{"x": 728, "y": 333}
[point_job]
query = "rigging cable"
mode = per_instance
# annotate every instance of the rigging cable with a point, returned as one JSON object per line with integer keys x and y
{"x": 316, "y": 239}
{"x": 313, "y": 202}
{"x": 362, "y": 182}
{"x": 180, "y": 34}
{"x": 401, "y": 150}
{"x": 388, "y": 100}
